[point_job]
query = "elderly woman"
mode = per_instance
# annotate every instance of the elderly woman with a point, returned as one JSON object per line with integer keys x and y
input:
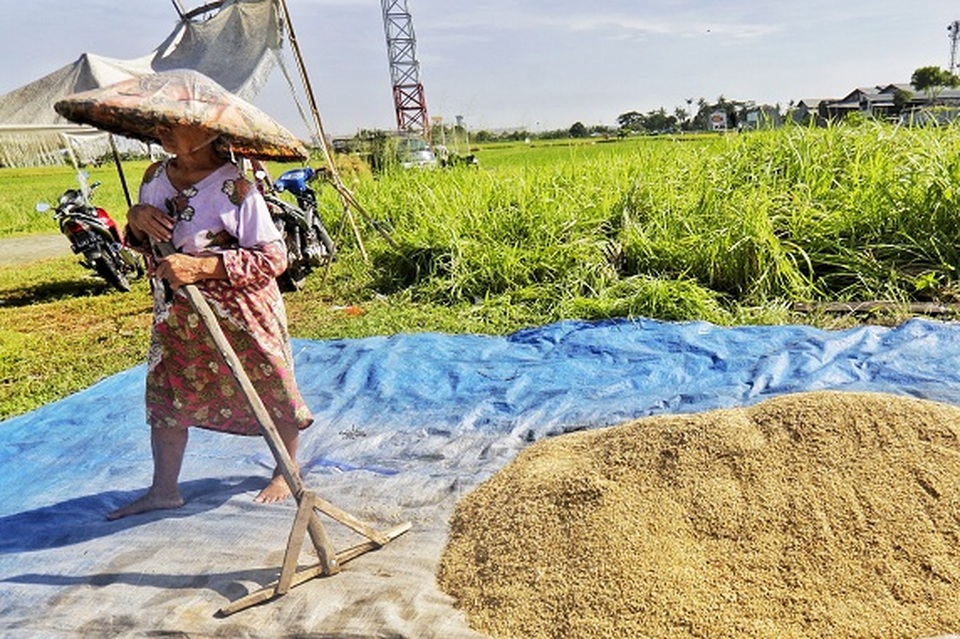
{"x": 228, "y": 246}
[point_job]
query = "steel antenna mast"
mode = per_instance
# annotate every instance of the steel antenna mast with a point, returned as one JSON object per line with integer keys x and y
{"x": 953, "y": 31}
{"x": 408, "y": 95}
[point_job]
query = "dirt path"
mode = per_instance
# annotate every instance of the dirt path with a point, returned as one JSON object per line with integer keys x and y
{"x": 18, "y": 250}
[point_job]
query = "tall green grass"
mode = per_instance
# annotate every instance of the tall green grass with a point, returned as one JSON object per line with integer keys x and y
{"x": 679, "y": 228}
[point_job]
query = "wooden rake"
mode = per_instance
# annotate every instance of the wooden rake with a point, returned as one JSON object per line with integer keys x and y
{"x": 309, "y": 503}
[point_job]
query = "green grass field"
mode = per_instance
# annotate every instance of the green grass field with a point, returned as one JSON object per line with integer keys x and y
{"x": 730, "y": 229}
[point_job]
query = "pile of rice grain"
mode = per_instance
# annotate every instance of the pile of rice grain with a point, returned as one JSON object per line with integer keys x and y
{"x": 811, "y": 515}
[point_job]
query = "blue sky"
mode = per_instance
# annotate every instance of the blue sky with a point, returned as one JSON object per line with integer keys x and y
{"x": 537, "y": 64}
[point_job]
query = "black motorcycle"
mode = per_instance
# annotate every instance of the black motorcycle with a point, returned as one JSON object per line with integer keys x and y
{"x": 309, "y": 246}
{"x": 94, "y": 236}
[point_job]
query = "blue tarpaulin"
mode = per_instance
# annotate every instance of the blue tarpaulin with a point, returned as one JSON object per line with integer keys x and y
{"x": 405, "y": 425}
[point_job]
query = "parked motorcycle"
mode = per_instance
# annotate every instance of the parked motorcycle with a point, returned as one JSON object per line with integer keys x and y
{"x": 94, "y": 236}
{"x": 309, "y": 246}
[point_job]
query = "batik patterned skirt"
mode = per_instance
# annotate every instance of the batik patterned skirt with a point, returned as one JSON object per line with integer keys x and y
{"x": 188, "y": 380}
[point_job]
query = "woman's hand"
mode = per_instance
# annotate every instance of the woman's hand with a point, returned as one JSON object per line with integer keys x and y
{"x": 144, "y": 220}
{"x": 179, "y": 269}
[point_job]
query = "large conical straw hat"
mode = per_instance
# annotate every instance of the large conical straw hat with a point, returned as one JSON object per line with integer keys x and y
{"x": 135, "y": 107}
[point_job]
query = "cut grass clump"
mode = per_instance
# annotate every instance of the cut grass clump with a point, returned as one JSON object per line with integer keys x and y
{"x": 644, "y": 296}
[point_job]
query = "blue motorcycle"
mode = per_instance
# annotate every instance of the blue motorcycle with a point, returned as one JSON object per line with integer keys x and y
{"x": 309, "y": 245}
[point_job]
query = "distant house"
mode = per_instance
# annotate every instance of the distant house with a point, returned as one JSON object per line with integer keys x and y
{"x": 888, "y": 102}
{"x": 940, "y": 96}
{"x": 941, "y": 107}
{"x": 870, "y": 101}
{"x": 761, "y": 116}
{"x": 718, "y": 121}
{"x": 806, "y": 110}
{"x": 742, "y": 116}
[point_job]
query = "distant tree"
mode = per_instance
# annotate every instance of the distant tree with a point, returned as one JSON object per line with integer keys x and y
{"x": 483, "y": 136}
{"x": 933, "y": 80}
{"x": 578, "y": 130}
{"x": 553, "y": 134}
{"x": 659, "y": 120}
{"x": 631, "y": 120}
{"x": 701, "y": 120}
{"x": 901, "y": 98}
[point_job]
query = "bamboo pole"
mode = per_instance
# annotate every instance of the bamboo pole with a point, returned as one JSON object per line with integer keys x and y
{"x": 179, "y": 8}
{"x": 123, "y": 178}
{"x": 335, "y": 179}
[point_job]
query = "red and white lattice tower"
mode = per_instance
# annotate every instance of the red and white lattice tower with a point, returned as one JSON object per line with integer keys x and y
{"x": 408, "y": 96}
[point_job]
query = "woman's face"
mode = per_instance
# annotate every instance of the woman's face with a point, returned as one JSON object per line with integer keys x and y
{"x": 183, "y": 139}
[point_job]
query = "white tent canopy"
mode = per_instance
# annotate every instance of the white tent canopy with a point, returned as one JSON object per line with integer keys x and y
{"x": 237, "y": 46}
{"x": 32, "y": 145}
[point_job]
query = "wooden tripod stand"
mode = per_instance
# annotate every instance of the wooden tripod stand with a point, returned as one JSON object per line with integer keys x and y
{"x": 308, "y": 502}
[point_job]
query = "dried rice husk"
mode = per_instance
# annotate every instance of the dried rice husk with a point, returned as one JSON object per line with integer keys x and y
{"x": 819, "y": 514}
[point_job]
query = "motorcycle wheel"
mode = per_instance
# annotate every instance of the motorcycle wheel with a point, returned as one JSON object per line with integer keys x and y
{"x": 291, "y": 280}
{"x": 325, "y": 240}
{"x": 108, "y": 270}
{"x": 132, "y": 262}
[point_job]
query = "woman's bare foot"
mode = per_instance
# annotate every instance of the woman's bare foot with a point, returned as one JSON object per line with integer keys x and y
{"x": 276, "y": 490}
{"x": 149, "y": 501}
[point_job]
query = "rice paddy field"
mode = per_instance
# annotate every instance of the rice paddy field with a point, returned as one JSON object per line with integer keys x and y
{"x": 731, "y": 229}
{"x": 722, "y": 228}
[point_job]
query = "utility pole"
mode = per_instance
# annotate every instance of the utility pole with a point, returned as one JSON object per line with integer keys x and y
{"x": 953, "y": 31}
{"x": 408, "y": 96}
